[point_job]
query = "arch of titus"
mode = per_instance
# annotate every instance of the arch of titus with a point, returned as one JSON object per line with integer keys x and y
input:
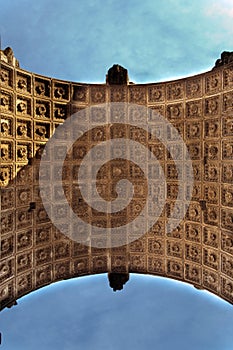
{"x": 34, "y": 253}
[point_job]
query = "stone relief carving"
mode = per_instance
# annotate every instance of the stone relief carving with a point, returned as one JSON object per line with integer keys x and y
{"x": 226, "y": 57}
{"x": 117, "y": 75}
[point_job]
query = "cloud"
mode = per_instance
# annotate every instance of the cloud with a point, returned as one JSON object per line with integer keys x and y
{"x": 218, "y": 9}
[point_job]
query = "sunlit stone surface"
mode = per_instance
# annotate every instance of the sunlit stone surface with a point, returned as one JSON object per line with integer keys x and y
{"x": 199, "y": 251}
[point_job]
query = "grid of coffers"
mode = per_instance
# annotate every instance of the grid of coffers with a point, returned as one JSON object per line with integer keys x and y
{"x": 199, "y": 251}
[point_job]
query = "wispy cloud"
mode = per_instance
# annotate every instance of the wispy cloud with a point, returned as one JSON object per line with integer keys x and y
{"x": 220, "y": 8}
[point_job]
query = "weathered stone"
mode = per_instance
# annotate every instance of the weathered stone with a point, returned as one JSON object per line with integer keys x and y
{"x": 226, "y": 57}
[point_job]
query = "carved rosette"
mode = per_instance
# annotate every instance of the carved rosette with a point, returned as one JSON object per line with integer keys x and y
{"x": 156, "y": 93}
{"x": 23, "y": 83}
{"x": 175, "y": 91}
{"x": 213, "y": 83}
{"x": 228, "y": 77}
{"x": 194, "y": 88}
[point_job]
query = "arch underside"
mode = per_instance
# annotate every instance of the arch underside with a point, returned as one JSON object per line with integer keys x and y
{"x": 199, "y": 251}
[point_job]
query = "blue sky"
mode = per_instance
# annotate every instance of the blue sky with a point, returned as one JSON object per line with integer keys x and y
{"x": 155, "y": 40}
{"x": 149, "y": 313}
{"x": 79, "y": 40}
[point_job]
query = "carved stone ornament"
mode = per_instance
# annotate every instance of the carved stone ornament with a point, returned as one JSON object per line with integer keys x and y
{"x": 7, "y": 56}
{"x": 226, "y": 57}
{"x": 117, "y": 75}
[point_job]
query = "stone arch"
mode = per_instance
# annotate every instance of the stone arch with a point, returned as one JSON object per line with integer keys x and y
{"x": 199, "y": 251}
